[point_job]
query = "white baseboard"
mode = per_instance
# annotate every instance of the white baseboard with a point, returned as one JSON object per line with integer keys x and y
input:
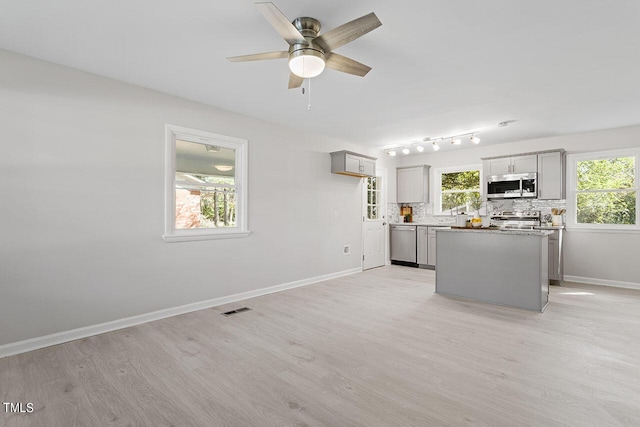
{"x": 75, "y": 334}
{"x": 602, "y": 282}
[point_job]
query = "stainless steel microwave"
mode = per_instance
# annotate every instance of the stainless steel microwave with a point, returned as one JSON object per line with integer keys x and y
{"x": 512, "y": 185}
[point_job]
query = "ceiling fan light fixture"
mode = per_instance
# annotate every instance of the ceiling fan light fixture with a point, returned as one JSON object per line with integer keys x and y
{"x": 306, "y": 63}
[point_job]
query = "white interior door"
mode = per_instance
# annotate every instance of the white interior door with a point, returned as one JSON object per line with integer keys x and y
{"x": 374, "y": 222}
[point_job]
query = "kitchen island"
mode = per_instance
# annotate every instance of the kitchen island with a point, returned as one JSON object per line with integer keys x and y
{"x": 505, "y": 267}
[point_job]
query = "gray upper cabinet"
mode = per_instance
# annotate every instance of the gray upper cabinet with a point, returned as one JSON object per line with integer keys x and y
{"x": 412, "y": 184}
{"x": 551, "y": 175}
{"x": 524, "y": 164}
{"x": 514, "y": 164}
{"x": 353, "y": 164}
{"x": 497, "y": 166}
{"x": 550, "y": 166}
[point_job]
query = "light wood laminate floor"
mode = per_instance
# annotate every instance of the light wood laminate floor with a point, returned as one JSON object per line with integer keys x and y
{"x": 377, "y": 348}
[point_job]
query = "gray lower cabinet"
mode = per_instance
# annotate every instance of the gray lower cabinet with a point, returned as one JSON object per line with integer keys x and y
{"x": 556, "y": 270}
{"x": 432, "y": 246}
{"x": 427, "y": 246}
{"x": 431, "y": 234}
{"x": 467, "y": 267}
{"x": 423, "y": 246}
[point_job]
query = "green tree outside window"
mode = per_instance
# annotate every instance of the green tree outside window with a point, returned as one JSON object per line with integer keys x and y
{"x": 458, "y": 188}
{"x": 606, "y": 191}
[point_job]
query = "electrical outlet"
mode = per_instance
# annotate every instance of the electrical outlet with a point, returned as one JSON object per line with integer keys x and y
{"x": 346, "y": 250}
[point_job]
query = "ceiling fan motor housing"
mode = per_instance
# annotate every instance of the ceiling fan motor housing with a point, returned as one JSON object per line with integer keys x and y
{"x": 309, "y": 28}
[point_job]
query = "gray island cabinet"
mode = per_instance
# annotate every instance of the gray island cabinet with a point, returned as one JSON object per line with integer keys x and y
{"x": 505, "y": 267}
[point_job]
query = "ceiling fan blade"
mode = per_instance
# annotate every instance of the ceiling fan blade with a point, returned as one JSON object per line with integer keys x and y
{"x": 348, "y": 32}
{"x": 281, "y": 23}
{"x": 259, "y": 56}
{"x": 338, "y": 62}
{"x": 294, "y": 81}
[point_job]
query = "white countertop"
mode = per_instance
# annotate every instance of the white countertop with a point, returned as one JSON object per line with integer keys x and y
{"x": 500, "y": 231}
{"x": 422, "y": 224}
{"x": 430, "y": 224}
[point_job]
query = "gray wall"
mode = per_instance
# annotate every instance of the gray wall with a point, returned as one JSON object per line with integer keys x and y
{"x": 82, "y": 193}
{"x": 599, "y": 257}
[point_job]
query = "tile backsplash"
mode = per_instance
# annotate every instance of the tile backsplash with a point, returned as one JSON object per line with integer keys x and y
{"x": 423, "y": 212}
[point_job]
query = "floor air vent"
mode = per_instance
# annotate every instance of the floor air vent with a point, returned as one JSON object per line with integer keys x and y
{"x": 239, "y": 310}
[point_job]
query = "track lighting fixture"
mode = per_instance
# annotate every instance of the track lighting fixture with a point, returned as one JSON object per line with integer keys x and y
{"x": 455, "y": 139}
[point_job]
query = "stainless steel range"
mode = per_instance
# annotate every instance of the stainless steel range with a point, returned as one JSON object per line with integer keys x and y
{"x": 516, "y": 219}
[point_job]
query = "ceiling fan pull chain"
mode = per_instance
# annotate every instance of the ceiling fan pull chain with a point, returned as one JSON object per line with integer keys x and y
{"x": 309, "y": 106}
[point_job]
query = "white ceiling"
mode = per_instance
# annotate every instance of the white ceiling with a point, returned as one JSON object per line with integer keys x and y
{"x": 439, "y": 67}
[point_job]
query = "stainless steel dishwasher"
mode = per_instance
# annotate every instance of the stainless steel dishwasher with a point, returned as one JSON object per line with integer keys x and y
{"x": 403, "y": 245}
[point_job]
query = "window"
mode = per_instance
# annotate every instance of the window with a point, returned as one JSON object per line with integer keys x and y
{"x": 374, "y": 197}
{"x": 604, "y": 190}
{"x": 456, "y": 189}
{"x": 206, "y": 185}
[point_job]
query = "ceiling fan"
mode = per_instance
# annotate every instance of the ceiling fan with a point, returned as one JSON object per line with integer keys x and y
{"x": 310, "y": 51}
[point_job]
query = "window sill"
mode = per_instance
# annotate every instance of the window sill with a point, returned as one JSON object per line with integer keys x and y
{"x": 170, "y": 238}
{"x": 603, "y": 230}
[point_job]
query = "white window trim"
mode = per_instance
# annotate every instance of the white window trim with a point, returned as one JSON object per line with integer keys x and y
{"x": 572, "y": 162}
{"x": 171, "y": 234}
{"x": 437, "y": 183}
